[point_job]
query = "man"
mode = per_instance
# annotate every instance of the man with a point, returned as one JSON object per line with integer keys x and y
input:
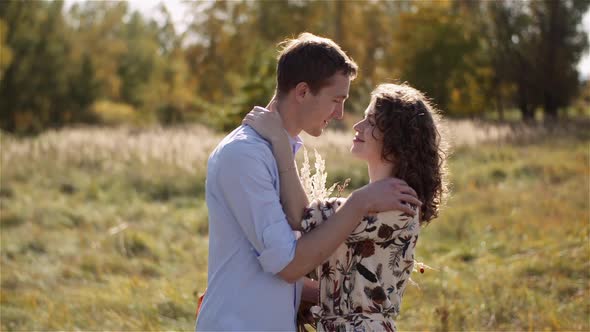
{"x": 256, "y": 262}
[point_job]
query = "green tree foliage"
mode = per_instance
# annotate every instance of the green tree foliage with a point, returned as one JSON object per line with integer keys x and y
{"x": 437, "y": 52}
{"x": 174, "y": 82}
{"x": 535, "y": 47}
{"x": 84, "y": 86}
{"x": 5, "y": 51}
{"x": 99, "y": 62}
{"x": 37, "y": 78}
{"x": 138, "y": 64}
{"x": 97, "y": 30}
{"x": 559, "y": 44}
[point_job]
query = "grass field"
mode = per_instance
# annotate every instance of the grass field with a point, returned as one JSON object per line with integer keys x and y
{"x": 106, "y": 229}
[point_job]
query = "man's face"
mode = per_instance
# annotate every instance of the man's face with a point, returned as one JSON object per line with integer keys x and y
{"x": 327, "y": 104}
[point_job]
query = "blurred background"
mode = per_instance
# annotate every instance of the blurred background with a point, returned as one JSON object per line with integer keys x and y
{"x": 209, "y": 61}
{"x": 109, "y": 110}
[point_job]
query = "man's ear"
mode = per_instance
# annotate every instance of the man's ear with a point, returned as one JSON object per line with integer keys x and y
{"x": 301, "y": 91}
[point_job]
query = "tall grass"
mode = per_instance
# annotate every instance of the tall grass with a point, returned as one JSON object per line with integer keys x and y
{"x": 107, "y": 229}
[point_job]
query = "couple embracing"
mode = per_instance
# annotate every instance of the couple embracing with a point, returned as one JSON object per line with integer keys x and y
{"x": 264, "y": 234}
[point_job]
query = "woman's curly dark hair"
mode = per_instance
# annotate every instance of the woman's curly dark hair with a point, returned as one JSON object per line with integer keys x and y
{"x": 413, "y": 140}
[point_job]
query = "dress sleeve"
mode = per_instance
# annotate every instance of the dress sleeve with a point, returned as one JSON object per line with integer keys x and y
{"x": 384, "y": 226}
{"x": 319, "y": 211}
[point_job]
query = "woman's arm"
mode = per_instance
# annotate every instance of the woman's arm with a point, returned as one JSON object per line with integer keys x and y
{"x": 293, "y": 198}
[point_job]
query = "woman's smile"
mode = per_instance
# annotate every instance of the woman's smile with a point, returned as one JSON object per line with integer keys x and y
{"x": 357, "y": 139}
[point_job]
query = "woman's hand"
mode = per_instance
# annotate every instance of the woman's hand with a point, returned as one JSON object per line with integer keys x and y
{"x": 268, "y": 124}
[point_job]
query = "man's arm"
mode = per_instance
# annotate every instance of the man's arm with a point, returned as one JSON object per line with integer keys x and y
{"x": 246, "y": 186}
{"x": 269, "y": 125}
{"x": 384, "y": 225}
{"x": 315, "y": 247}
{"x": 309, "y": 297}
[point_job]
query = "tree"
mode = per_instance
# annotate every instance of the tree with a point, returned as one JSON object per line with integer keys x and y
{"x": 5, "y": 51}
{"x": 176, "y": 86}
{"x": 34, "y": 87}
{"x": 138, "y": 65}
{"x": 98, "y": 31}
{"x": 435, "y": 51}
{"x": 84, "y": 89}
{"x": 559, "y": 44}
{"x": 535, "y": 47}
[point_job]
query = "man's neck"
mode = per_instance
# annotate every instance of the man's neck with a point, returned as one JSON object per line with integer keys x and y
{"x": 289, "y": 117}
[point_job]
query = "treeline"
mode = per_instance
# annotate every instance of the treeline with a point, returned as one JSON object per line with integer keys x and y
{"x": 98, "y": 62}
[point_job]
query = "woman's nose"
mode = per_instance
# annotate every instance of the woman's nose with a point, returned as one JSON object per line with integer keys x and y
{"x": 357, "y": 126}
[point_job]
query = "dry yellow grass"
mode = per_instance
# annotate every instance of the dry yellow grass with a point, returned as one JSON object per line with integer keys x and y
{"x": 106, "y": 229}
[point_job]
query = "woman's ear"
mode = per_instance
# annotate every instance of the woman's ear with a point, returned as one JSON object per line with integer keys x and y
{"x": 301, "y": 91}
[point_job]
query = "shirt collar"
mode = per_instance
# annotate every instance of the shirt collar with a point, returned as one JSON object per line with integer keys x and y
{"x": 296, "y": 142}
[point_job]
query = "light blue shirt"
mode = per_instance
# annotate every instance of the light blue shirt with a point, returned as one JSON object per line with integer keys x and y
{"x": 250, "y": 240}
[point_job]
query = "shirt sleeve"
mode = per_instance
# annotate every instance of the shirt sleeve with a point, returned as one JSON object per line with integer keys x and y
{"x": 319, "y": 211}
{"x": 384, "y": 226}
{"x": 247, "y": 184}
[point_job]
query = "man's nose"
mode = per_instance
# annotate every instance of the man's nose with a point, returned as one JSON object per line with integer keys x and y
{"x": 338, "y": 112}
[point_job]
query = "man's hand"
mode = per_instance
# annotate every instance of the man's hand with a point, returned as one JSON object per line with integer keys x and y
{"x": 304, "y": 315}
{"x": 309, "y": 297}
{"x": 385, "y": 195}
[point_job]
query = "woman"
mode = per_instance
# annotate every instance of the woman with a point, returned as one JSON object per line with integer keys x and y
{"x": 362, "y": 283}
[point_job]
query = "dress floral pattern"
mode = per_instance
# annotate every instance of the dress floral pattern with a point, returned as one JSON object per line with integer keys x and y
{"x": 362, "y": 283}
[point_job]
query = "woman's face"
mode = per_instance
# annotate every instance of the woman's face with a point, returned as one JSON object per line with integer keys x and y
{"x": 368, "y": 141}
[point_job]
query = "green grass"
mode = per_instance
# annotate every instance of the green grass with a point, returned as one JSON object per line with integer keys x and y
{"x": 107, "y": 241}
{"x": 515, "y": 115}
{"x": 512, "y": 248}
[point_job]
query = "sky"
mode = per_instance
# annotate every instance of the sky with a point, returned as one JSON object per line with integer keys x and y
{"x": 175, "y": 7}
{"x": 584, "y": 65}
{"x": 182, "y": 20}
{"x": 148, "y": 8}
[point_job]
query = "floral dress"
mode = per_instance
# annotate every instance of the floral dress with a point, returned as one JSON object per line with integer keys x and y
{"x": 362, "y": 283}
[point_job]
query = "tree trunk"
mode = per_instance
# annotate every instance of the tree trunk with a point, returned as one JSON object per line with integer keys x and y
{"x": 553, "y": 34}
{"x": 497, "y": 95}
{"x": 527, "y": 108}
{"x": 549, "y": 108}
{"x": 527, "y": 111}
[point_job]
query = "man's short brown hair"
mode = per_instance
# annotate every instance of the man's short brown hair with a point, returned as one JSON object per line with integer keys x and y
{"x": 313, "y": 60}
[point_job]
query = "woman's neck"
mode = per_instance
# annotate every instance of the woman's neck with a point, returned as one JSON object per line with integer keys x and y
{"x": 379, "y": 170}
